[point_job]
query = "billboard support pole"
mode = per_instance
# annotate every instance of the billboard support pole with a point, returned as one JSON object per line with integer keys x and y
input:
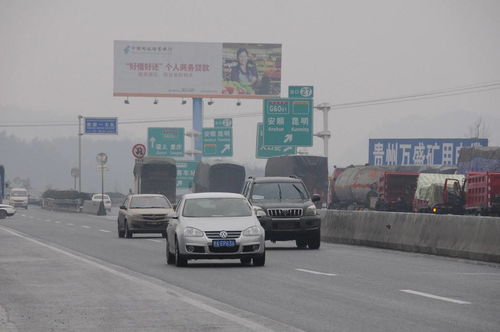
{"x": 197, "y": 125}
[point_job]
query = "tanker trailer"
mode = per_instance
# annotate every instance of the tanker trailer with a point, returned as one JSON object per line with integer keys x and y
{"x": 356, "y": 187}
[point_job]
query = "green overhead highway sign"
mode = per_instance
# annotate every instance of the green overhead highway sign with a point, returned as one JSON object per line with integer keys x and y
{"x": 185, "y": 173}
{"x": 223, "y": 123}
{"x": 288, "y": 122}
{"x": 300, "y": 91}
{"x": 268, "y": 151}
{"x": 217, "y": 142}
{"x": 166, "y": 142}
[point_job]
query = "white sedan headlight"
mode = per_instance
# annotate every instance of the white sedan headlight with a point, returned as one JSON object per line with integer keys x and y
{"x": 310, "y": 210}
{"x": 192, "y": 232}
{"x": 252, "y": 231}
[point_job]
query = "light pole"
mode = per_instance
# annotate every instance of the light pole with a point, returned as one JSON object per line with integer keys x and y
{"x": 80, "y": 152}
{"x": 325, "y": 134}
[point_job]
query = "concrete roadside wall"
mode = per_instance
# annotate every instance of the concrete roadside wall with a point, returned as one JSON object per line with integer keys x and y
{"x": 471, "y": 237}
{"x": 66, "y": 205}
{"x": 90, "y": 207}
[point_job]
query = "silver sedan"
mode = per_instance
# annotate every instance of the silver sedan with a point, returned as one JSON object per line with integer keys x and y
{"x": 215, "y": 226}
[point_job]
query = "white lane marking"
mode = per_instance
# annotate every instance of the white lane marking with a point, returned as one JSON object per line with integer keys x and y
{"x": 84, "y": 226}
{"x": 253, "y": 326}
{"x": 436, "y": 297}
{"x": 316, "y": 272}
{"x": 105, "y": 231}
{"x": 479, "y": 274}
{"x": 152, "y": 240}
{"x": 23, "y": 215}
{"x": 70, "y": 224}
{"x": 57, "y": 222}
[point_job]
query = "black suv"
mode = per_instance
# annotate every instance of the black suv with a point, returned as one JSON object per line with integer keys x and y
{"x": 285, "y": 209}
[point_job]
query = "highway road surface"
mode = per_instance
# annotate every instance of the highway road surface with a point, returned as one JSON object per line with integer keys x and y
{"x": 70, "y": 272}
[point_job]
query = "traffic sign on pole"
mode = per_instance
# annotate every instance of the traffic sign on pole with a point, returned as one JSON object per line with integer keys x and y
{"x": 166, "y": 142}
{"x": 217, "y": 142}
{"x": 267, "y": 151}
{"x": 288, "y": 121}
{"x": 300, "y": 91}
{"x": 223, "y": 123}
{"x": 101, "y": 126}
{"x": 139, "y": 151}
{"x": 185, "y": 173}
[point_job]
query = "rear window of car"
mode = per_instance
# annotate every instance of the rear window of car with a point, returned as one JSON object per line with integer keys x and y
{"x": 217, "y": 207}
{"x": 150, "y": 202}
{"x": 99, "y": 196}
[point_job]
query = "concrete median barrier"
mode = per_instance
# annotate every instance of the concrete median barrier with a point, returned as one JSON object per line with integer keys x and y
{"x": 469, "y": 237}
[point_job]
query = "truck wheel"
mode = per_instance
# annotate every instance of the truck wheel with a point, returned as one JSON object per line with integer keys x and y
{"x": 314, "y": 241}
{"x": 3, "y": 214}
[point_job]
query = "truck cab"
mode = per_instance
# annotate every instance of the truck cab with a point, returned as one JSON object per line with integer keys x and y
{"x": 18, "y": 197}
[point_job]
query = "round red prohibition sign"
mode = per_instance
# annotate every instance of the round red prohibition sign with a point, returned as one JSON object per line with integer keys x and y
{"x": 139, "y": 151}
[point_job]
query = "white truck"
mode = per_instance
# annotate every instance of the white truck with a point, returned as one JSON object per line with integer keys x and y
{"x": 18, "y": 197}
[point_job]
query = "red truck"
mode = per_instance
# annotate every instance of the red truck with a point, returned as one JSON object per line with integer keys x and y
{"x": 398, "y": 190}
{"x": 483, "y": 193}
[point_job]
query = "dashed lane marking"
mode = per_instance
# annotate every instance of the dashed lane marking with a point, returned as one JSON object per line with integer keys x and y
{"x": 84, "y": 226}
{"x": 70, "y": 224}
{"x": 432, "y": 296}
{"x": 104, "y": 230}
{"x": 316, "y": 272}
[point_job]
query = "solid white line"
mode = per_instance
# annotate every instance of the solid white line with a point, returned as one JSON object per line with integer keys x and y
{"x": 152, "y": 240}
{"x": 85, "y": 226}
{"x": 178, "y": 295}
{"x": 479, "y": 274}
{"x": 316, "y": 272}
{"x": 436, "y": 297}
{"x": 105, "y": 231}
{"x": 70, "y": 224}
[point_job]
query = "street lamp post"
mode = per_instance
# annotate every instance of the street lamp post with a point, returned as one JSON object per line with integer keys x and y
{"x": 80, "y": 153}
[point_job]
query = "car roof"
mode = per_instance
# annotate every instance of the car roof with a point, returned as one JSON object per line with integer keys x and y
{"x": 146, "y": 195}
{"x": 213, "y": 195}
{"x": 275, "y": 179}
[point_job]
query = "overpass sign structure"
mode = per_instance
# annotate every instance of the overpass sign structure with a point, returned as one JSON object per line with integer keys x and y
{"x": 288, "y": 121}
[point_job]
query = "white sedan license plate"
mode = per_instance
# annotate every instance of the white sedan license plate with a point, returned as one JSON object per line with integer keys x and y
{"x": 223, "y": 243}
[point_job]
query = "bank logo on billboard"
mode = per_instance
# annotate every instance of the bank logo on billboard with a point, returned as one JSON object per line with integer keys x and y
{"x": 419, "y": 152}
{"x": 182, "y": 69}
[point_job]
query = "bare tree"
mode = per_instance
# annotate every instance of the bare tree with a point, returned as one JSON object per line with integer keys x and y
{"x": 479, "y": 129}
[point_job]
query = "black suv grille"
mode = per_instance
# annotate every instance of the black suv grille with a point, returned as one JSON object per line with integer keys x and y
{"x": 215, "y": 235}
{"x": 284, "y": 212}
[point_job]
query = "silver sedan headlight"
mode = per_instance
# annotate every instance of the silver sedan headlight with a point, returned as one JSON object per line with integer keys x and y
{"x": 310, "y": 210}
{"x": 192, "y": 232}
{"x": 252, "y": 231}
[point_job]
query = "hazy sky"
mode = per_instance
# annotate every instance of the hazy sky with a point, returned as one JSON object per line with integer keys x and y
{"x": 57, "y": 62}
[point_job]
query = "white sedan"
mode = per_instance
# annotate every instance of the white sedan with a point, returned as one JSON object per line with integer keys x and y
{"x": 6, "y": 210}
{"x": 105, "y": 198}
{"x": 215, "y": 226}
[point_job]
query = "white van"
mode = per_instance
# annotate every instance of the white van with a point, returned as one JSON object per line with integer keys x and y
{"x": 18, "y": 197}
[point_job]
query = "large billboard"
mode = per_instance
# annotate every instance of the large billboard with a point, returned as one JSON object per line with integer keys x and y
{"x": 204, "y": 70}
{"x": 419, "y": 152}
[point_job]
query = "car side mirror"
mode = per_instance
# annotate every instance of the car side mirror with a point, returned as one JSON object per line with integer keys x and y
{"x": 316, "y": 198}
{"x": 123, "y": 207}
